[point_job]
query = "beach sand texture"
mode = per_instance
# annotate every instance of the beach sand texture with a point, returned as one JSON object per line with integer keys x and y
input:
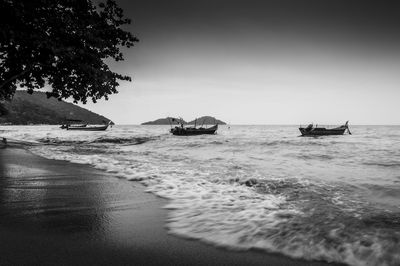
{"x": 59, "y": 213}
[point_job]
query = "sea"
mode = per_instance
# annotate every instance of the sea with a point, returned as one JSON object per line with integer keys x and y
{"x": 331, "y": 198}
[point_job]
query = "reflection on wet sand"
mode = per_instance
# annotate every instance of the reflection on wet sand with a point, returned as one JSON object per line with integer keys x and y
{"x": 35, "y": 197}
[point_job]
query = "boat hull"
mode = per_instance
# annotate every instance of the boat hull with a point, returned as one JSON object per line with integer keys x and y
{"x": 310, "y": 130}
{"x": 179, "y": 131}
{"x": 100, "y": 128}
{"x": 322, "y": 132}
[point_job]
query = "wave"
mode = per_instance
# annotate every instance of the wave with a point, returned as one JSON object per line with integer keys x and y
{"x": 128, "y": 141}
{"x": 293, "y": 218}
{"x": 58, "y": 141}
{"x": 203, "y": 143}
{"x": 103, "y": 140}
{"x": 294, "y": 142}
{"x": 310, "y": 156}
{"x": 383, "y": 164}
{"x": 383, "y": 221}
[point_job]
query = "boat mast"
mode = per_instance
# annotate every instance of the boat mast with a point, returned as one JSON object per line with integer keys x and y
{"x": 170, "y": 122}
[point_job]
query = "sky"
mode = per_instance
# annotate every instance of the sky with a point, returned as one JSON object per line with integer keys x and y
{"x": 260, "y": 62}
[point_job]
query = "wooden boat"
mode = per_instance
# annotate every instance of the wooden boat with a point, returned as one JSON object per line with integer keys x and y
{"x": 190, "y": 131}
{"x": 66, "y": 126}
{"x": 88, "y": 128}
{"x": 310, "y": 130}
{"x": 73, "y": 123}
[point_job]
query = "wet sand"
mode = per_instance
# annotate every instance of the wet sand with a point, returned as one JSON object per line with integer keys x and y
{"x": 59, "y": 213}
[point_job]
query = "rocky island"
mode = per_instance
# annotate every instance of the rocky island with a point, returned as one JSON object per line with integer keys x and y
{"x": 204, "y": 120}
{"x": 163, "y": 121}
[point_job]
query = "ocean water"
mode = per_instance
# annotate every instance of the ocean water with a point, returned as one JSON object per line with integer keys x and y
{"x": 332, "y": 198}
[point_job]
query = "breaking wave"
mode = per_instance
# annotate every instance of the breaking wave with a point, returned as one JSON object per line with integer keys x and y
{"x": 127, "y": 141}
{"x": 105, "y": 140}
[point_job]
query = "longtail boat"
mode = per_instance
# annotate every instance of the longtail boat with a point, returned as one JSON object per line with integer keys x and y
{"x": 190, "y": 131}
{"x": 312, "y": 130}
{"x": 85, "y": 126}
{"x": 88, "y": 128}
{"x": 73, "y": 123}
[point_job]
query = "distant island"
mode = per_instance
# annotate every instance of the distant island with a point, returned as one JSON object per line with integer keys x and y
{"x": 204, "y": 120}
{"x": 164, "y": 121}
{"x": 27, "y": 109}
{"x": 207, "y": 120}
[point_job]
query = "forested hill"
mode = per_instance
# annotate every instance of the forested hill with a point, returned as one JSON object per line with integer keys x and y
{"x": 27, "y": 109}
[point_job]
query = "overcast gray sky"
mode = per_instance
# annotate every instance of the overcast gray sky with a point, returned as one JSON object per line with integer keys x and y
{"x": 261, "y": 62}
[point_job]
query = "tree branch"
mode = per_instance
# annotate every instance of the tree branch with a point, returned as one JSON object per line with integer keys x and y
{"x": 2, "y": 84}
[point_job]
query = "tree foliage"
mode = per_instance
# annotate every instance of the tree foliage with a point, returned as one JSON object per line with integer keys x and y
{"x": 63, "y": 43}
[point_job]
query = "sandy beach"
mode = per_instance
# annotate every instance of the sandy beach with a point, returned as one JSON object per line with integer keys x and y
{"x": 59, "y": 213}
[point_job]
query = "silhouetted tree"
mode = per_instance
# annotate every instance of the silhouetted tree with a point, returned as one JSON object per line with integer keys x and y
{"x": 63, "y": 43}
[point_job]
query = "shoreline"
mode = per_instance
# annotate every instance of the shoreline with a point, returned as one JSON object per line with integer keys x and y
{"x": 57, "y": 212}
